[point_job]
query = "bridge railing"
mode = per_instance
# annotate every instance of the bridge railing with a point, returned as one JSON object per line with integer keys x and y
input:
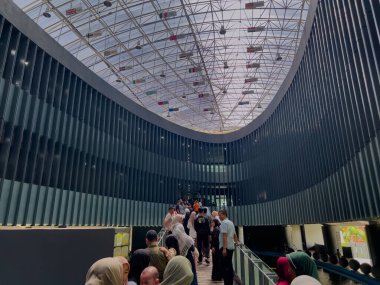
{"x": 161, "y": 237}
{"x": 251, "y": 269}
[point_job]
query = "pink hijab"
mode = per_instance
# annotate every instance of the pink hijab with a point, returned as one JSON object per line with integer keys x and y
{"x": 284, "y": 271}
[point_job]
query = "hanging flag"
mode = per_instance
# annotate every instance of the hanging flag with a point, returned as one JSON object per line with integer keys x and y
{"x": 167, "y": 14}
{"x": 177, "y": 37}
{"x": 125, "y": 67}
{"x": 173, "y": 109}
{"x": 73, "y": 11}
{"x": 253, "y": 65}
{"x": 203, "y": 95}
{"x": 246, "y": 92}
{"x": 254, "y": 5}
{"x": 195, "y": 69}
{"x": 250, "y": 80}
{"x": 255, "y": 29}
{"x": 94, "y": 34}
{"x": 151, "y": 92}
{"x": 163, "y": 102}
{"x": 208, "y": 109}
{"x": 138, "y": 81}
{"x": 198, "y": 83}
{"x": 243, "y": 103}
{"x": 110, "y": 52}
{"x": 254, "y": 49}
{"x": 185, "y": 54}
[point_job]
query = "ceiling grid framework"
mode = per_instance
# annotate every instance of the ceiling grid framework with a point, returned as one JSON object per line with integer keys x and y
{"x": 212, "y": 66}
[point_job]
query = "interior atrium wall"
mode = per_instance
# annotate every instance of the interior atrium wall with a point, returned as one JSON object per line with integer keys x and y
{"x": 70, "y": 154}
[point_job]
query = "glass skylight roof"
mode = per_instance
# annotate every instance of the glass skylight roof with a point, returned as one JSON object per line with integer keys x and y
{"x": 211, "y": 66}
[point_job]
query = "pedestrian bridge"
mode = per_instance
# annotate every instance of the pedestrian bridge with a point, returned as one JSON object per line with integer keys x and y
{"x": 248, "y": 267}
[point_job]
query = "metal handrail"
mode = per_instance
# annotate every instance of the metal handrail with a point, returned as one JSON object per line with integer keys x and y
{"x": 251, "y": 269}
{"x": 162, "y": 236}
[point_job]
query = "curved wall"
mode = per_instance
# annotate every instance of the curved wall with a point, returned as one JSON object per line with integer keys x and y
{"x": 71, "y": 155}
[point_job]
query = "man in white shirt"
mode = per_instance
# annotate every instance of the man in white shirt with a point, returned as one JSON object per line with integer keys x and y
{"x": 227, "y": 236}
{"x": 168, "y": 221}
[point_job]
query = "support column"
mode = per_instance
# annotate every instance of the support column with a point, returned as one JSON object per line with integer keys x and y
{"x": 241, "y": 234}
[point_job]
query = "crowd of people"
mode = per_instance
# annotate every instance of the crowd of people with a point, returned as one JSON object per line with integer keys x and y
{"x": 192, "y": 233}
{"x": 200, "y": 233}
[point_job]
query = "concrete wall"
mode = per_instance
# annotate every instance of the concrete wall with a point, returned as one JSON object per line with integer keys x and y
{"x": 293, "y": 236}
{"x": 313, "y": 235}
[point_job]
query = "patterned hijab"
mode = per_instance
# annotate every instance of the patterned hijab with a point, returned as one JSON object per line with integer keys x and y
{"x": 184, "y": 241}
{"x": 105, "y": 271}
{"x": 178, "y": 272}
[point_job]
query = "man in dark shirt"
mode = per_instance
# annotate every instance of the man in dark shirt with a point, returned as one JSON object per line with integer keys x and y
{"x": 202, "y": 227}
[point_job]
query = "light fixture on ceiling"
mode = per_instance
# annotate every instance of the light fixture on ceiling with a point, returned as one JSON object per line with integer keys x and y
{"x": 138, "y": 45}
{"x": 118, "y": 80}
{"x": 107, "y": 3}
{"x": 279, "y": 57}
{"x": 258, "y": 105}
{"x": 224, "y": 91}
{"x": 225, "y": 65}
{"x": 162, "y": 75}
{"x": 222, "y": 30}
{"x": 46, "y": 14}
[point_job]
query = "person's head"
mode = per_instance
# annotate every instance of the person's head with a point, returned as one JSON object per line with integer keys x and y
{"x": 216, "y": 222}
{"x": 139, "y": 260}
{"x": 105, "y": 271}
{"x": 302, "y": 264}
{"x": 126, "y": 268}
{"x": 149, "y": 276}
{"x": 284, "y": 271}
{"x": 172, "y": 242}
{"x": 178, "y": 272}
{"x": 171, "y": 210}
{"x": 214, "y": 214}
{"x": 305, "y": 280}
{"x": 187, "y": 214}
{"x": 151, "y": 236}
{"x": 222, "y": 214}
{"x": 200, "y": 211}
{"x": 205, "y": 211}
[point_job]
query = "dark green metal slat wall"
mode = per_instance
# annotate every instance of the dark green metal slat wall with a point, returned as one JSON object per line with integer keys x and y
{"x": 70, "y": 155}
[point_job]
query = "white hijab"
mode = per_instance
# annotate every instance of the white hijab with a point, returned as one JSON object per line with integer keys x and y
{"x": 184, "y": 241}
{"x": 305, "y": 280}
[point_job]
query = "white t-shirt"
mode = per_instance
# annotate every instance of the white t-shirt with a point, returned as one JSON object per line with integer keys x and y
{"x": 227, "y": 227}
{"x": 168, "y": 222}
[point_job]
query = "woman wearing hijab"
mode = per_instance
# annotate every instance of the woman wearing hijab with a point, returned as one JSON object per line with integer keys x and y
{"x": 105, "y": 271}
{"x": 178, "y": 272}
{"x": 124, "y": 262}
{"x": 305, "y": 280}
{"x": 186, "y": 247}
{"x": 302, "y": 264}
{"x": 217, "y": 268}
{"x": 190, "y": 225}
{"x": 138, "y": 262}
{"x": 185, "y": 221}
{"x": 284, "y": 271}
{"x": 172, "y": 247}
